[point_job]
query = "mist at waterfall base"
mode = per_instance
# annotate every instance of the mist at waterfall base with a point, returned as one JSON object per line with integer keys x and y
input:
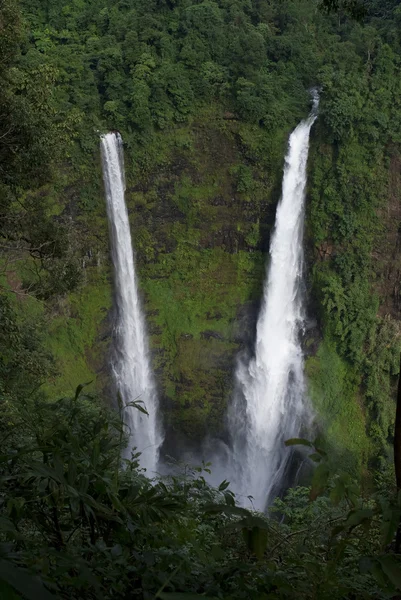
{"x": 131, "y": 365}
{"x": 270, "y": 403}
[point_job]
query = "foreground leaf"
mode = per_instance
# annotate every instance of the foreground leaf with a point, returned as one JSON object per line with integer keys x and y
{"x": 182, "y": 596}
{"x": 20, "y": 580}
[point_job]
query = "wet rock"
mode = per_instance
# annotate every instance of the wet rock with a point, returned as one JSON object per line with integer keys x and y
{"x": 207, "y": 335}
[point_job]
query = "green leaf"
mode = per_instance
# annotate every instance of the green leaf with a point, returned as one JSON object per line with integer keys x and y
{"x": 7, "y": 592}
{"x": 338, "y": 492}
{"x": 182, "y": 596}
{"x": 298, "y": 442}
{"x": 80, "y": 388}
{"x": 229, "y": 498}
{"x": 227, "y": 509}
{"x": 253, "y": 521}
{"x": 365, "y": 564}
{"x": 391, "y": 566}
{"x": 358, "y": 517}
{"x": 319, "y": 481}
{"x": 7, "y": 526}
{"x": 223, "y": 485}
{"x": 391, "y": 519}
{"x": 58, "y": 466}
{"x": 256, "y": 540}
{"x": 316, "y": 457}
{"x": 95, "y": 452}
{"x": 137, "y": 404}
{"x": 254, "y": 531}
{"x": 381, "y": 578}
{"x": 22, "y": 581}
{"x": 336, "y": 530}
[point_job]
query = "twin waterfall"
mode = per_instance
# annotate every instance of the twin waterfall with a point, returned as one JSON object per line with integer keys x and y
{"x": 269, "y": 404}
{"x": 131, "y": 367}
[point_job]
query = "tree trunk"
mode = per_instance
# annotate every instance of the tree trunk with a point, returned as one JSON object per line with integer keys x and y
{"x": 397, "y": 455}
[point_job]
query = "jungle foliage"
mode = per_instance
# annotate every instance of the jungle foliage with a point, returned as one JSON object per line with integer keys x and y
{"x": 205, "y": 94}
{"x": 180, "y": 80}
{"x": 184, "y": 81}
{"x": 77, "y": 521}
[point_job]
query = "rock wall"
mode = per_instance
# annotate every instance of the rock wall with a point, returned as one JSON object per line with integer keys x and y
{"x": 201, "y": 225}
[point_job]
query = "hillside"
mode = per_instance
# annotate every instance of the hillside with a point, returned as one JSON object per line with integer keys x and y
{"x": 205, "y": 96}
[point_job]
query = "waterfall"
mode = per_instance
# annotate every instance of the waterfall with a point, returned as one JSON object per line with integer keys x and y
{"x": 131, "y": 366}
{"x": 270, "y": 402}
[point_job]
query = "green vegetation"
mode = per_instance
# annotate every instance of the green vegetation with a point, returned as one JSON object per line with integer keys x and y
{"x": 352, "y": 189}
{"x": 75, "y": 524}
{"x": 335, "y": 393}
{"x": 205, "y": 95}
{"x": 71, "y": 336}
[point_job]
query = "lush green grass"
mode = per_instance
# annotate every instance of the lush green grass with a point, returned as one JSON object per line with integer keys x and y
{"x": 334, "y": 389}
{"x": 194, "y": 296}
{"x": 74, "y": 337}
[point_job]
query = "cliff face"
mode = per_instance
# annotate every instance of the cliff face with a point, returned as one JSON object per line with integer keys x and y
{"x": 201, "y": 217}
{"x": 353, "y": 270}
{"x": 205, "y": 95}
{"x": 201, "y": 224}
{"x": 201, "y": 214}
{"x": 387, "y": 250}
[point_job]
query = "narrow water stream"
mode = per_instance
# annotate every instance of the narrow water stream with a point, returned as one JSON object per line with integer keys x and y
{"x": 131, "y": 366}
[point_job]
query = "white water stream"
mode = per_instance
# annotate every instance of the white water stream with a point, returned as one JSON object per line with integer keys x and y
{"x": 131, "y": 366}
{"x": 270, "y": 405}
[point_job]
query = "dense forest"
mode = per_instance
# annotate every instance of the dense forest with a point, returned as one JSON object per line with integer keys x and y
{"x": 205, "y": 95}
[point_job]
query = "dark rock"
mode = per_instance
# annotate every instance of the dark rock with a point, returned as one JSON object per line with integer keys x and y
{"x": 207, "y": 335}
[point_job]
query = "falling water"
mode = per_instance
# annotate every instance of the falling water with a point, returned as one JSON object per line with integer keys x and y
{"x": 270, "y": 404}
{"x": 131, "y": 366}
